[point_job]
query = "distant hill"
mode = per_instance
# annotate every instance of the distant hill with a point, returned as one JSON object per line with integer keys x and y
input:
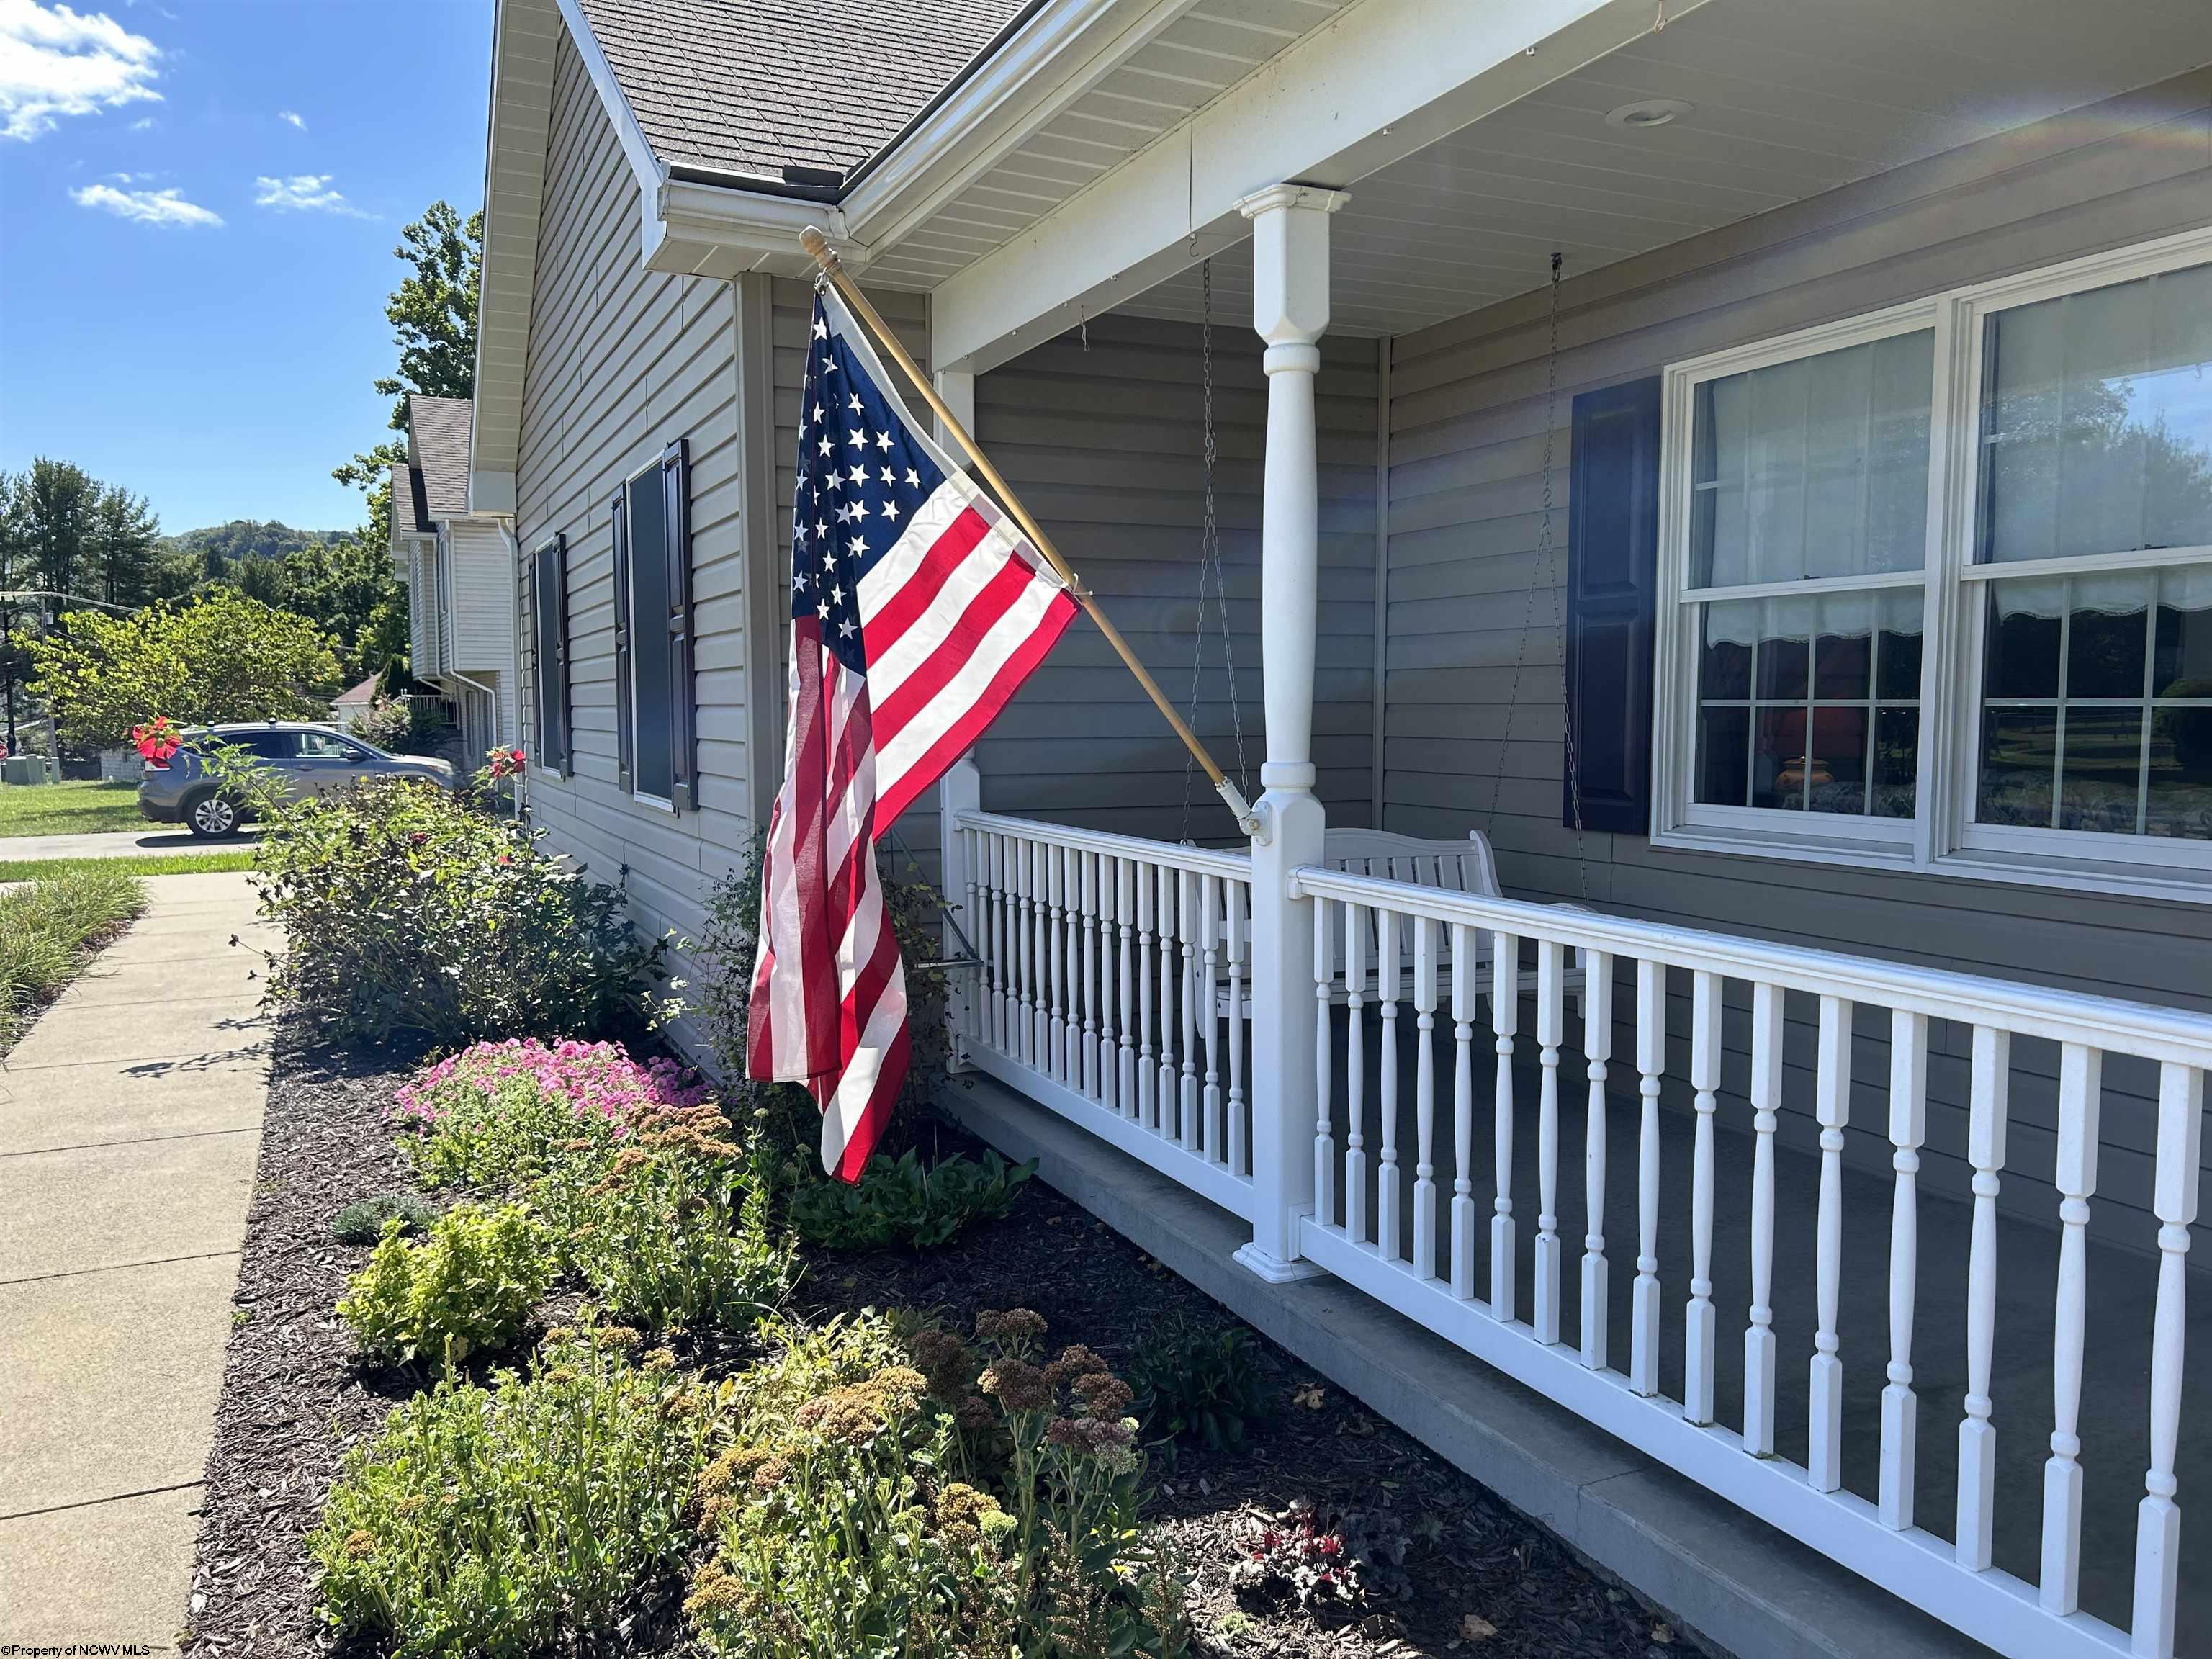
{"x": 242, "y": 538}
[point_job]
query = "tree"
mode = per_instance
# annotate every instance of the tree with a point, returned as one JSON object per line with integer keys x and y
{"x": 347, "y": 584}
{"x": 121, "y": 547}
{"x": 433, "y": 314}
{"x": 56, "y": 500}
{"x": 220, "y": 657}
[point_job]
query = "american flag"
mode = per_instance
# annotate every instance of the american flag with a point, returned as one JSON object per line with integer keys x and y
{"x": 917, "y": 610}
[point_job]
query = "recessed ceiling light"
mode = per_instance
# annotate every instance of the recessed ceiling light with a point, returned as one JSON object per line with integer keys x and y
{"x": 1647, "y": 113}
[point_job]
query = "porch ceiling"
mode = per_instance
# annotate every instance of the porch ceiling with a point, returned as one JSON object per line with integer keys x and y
{"x": 1790, "y": 98}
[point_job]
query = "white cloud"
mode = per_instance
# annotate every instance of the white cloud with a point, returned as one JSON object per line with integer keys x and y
{"x": 293, "y": 118}
{"x": 303, "y": 193}
{"x": 56, "y": 62}
{"x": 149, "y": 207}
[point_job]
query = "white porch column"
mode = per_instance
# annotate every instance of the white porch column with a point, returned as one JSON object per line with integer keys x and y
{"x": 1289, "y": 309}
{"x": 960, "y": 790}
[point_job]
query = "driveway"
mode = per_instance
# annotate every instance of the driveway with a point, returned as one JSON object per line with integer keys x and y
{"x": 154, "y": 838}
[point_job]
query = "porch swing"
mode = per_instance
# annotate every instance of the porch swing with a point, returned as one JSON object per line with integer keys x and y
{"x": 1467, "y": 866}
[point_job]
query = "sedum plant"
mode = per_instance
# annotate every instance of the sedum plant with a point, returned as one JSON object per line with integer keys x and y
{"x": 467, "y": 1288}
{"x": 497, "y": 1521}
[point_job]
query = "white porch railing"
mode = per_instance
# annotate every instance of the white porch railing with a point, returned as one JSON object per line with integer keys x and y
{"x": 1114, "y": 989}
{"x": 1113, "y": 992}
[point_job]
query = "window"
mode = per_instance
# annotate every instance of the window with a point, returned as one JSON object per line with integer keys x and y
{"x": 1937, "y": 583}
{"x": 328, "y": 745}
{"x": 550, "y": 602}
{"x": 655, "y": 715}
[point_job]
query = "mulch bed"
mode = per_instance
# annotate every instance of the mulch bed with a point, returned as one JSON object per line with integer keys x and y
{"x": 1485, "y": 1582}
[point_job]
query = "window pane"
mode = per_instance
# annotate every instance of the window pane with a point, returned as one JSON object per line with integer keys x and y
{"x": 650, "y": 707}
{"x": 1722, "y": 736}
{"x": 1896, "y": 762}
{"x": 2105, "y": 637}
{"x": 2020, "y": 750}
{"x": 1843, "y": 649}
{"x": 1724, "y": 662}
{"x": 2024, "y": 626}
{"x": 1898, "y": 612}
{"x": 2097, "y": 420}
{"x": 2102, "y": 765}
{"x": 2180, "y": 794}
{"x": 1817, "y": 467}
{"x": 1779, "y": 762}
{"x": 1836, "y": 760}
{"x": 2182, "y": 661}
{"x": 1785, "y": 647}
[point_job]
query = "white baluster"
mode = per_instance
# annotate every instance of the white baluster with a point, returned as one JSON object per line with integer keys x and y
{"x": 1056, "y": 1032}
{"x": 1505, "y": 1021}
{"x": 1355, "y": 1074}
{"x": 1148, "y": 1071}
{"x": 1832, "y": 1108}
{"x": 1766, "y": 1032}
{"x": 2158, "y": 1517}
{"x": 1650, "y": 1061}
{"x": 1700, "y": 1322}
{"x": 1041, "y": 925}
{"x": 1109, "y": 1046}
{"x": 976, "y": 996}
{"x": 1387, "y": 923}
{"x": 1425, "y": 1096}
{"x": 1025, "y": 975}
{"x": 1187, "y": 931}
{"x": 1087, "y": 1076}
{"x": 1988, "y": 1103}
{"x": 996, "y": 1030}
{"x": 1209, "y": 1005}
{"x": 1464, "y": 992}
{"x": 1125, "y": 1059}
{"x": 1597, "y": 1051}
{"x": 1164, "y": 1094}
{"x": 2080, "y": 1078}
{"x": 1550, "y": 1015}
{"x": 1240, "y": 1020}
{"x": 1324, "y": 1078}
{"x": 1908, "y": 1128}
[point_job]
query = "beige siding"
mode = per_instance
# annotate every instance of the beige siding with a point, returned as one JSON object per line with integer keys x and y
{"x": 621, "y": 361}
{"x": 1474, "y": 677}
{"x": 480, "y": 587}
{"x": 1104, "y": 442}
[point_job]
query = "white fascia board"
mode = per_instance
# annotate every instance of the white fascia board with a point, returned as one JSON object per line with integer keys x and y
{"x": 1384, "y": 79}
{"x": 713, "y": 230}
{"x": 524, "y": 34}
{"x": 1066, "y": 48}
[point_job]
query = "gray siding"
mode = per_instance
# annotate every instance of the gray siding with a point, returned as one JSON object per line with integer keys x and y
{"x": 620, "y": 361}
{"x": 1105, "y": 445}
{"x": 1474, "y": 722}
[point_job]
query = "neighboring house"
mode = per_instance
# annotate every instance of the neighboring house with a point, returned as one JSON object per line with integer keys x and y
{"x": 1823, "y": 564}
{"x": 459, "y": 566}
{"x": 351, "y": 705}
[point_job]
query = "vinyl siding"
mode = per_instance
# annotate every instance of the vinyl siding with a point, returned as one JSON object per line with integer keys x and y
{"x": 1474, "y": 722}
{"x": 1104, "y": 441}
{"x": 620, "y": 361}
{"x": 480, "y": 587}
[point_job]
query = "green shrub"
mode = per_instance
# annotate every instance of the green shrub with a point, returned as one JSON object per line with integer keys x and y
{"x": 495, "y": 1522}
{"x": 1206, "y": 1380}
{"x": 388, "y": 723}
{"x": 899, "y": 1202}
{"x": 49, "y": 930}
{"x": 404, "y": 910}
{"x": 972, "y": 1505}
{"x": 669, "y": 1229}
{"x": 467, "y": 1288}
{"x": 363, "y": 1222}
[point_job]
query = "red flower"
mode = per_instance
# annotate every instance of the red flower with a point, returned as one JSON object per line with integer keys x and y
{"x": 156, "y": 741}
{"x": 505, "y": 763}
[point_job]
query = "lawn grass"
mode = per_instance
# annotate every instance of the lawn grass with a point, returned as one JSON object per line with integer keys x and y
{"x": 131, "y": 864}
{"x": 50, "y": 930}
{"x": 74, "y": 806}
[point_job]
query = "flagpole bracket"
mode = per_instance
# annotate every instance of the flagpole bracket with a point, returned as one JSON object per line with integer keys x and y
{"x": 1257, "y": 822}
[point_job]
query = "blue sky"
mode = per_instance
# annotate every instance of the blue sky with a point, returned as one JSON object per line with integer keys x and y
{"x": 198, "y": 202}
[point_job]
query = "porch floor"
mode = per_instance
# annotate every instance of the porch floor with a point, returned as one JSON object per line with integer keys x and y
{"x": 2114, "y": 1425}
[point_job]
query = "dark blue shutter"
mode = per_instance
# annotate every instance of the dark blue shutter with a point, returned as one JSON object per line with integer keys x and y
{"x": 619, "y": 513}
{"x": 683, "y": 711}
{"x": 550, "y": 582}
{"x": 1613, "y": 591}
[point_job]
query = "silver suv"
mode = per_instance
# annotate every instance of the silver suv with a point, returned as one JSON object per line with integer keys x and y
{"x": 308, "y": 760}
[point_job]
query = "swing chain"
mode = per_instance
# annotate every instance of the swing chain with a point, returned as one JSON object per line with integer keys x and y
{"x": 1209, "y": 557}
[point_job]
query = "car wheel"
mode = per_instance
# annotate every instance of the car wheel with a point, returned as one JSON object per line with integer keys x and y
{"x": 210, "y": 816}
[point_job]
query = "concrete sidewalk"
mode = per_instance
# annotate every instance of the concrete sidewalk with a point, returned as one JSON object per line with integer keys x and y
{"x": 129, "y": 1123}
{"x": 154, "y": 838}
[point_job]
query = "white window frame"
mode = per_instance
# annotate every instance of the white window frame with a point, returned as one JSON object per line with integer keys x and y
{"x": 1941, "y": 837}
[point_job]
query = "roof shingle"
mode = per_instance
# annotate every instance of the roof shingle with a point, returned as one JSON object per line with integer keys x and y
{"x": 754, "y": 86}
{"x": 440, "y": 426}
{"x": 410, "y": 513}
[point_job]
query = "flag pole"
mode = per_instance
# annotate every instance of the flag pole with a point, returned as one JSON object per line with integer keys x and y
{"x": 816, "y": 244}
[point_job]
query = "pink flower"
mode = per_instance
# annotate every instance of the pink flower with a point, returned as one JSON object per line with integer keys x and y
{"x": 597, "y": 1078}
